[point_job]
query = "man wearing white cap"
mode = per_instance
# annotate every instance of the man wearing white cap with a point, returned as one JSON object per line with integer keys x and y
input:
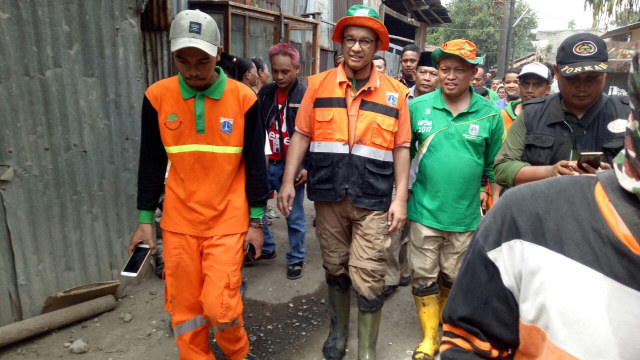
{"x": 534, "y": 82}
{"x": 207, "y": 125}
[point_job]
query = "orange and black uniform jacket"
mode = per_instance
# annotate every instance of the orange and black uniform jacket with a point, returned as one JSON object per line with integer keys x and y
{"x": 364, "y": 169}
{"x": 217, "y": 172}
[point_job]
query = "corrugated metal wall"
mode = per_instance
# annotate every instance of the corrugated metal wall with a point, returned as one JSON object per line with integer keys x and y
{"x": 71, "y": 86}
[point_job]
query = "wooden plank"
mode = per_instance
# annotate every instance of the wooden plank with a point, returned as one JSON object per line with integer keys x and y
{"x": 79, "y": 294}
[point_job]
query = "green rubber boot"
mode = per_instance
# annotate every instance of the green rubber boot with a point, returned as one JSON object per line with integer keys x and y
{"x": 368, "y": 326}
{"x": 334, "y": 346}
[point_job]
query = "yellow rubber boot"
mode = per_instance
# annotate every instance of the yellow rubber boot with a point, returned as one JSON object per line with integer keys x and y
{"x": 444, "y": 294}
{"x": 429, "y": 313}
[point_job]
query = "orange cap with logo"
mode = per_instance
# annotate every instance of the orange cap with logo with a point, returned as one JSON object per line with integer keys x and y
{"x": 461, "y": 48}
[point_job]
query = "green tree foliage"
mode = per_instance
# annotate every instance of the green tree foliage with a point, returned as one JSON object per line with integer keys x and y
{"x": 479, "y": 22}
{"x": 615, "y": 11}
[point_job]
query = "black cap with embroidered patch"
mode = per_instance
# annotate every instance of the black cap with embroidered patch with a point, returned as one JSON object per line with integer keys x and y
{"x": 581, "y": 53}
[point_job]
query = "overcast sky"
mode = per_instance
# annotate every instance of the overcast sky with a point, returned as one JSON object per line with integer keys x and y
{"x": 556, "y": 14}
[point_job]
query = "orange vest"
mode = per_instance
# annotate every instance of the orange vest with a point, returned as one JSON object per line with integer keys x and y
{"x": 205, "y": 190}
{"x": 507, "y": 119}
{"x": 364, "y": 169}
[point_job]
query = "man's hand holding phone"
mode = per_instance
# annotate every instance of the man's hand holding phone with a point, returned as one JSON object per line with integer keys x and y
{"x": 589, "y": 162}
{"x": 143, "y": 235}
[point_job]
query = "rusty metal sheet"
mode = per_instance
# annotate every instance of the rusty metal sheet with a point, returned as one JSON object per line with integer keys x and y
{"x": 71, "y": 87}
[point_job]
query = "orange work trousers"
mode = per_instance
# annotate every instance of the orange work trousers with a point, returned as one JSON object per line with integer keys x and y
{"x": 202, "y": 290}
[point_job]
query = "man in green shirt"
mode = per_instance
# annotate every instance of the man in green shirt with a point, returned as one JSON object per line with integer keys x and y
{"x": 456, "y": 133}
{"x": 479, "y": 81}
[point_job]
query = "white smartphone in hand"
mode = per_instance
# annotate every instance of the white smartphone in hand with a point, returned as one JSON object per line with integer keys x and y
{"x": 137, "y": 259}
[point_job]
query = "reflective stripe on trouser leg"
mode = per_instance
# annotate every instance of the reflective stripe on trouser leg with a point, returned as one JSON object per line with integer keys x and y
{"x": 221, "y": 266}
{"x": 189, "y": 325}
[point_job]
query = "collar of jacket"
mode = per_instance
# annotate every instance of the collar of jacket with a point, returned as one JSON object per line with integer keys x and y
{"x": 373, "y": 82}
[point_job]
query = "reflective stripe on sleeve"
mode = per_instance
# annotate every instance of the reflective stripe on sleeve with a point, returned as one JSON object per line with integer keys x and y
{"x": 189, "y": 325}
{"x": 329, "y": 147}
{"x": 203, "y": 148}
{"x": 372, "y": 153}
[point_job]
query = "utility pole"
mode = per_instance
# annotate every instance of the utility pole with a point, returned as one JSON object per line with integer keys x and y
{"x": 505, "y": 24}
{"x": 507, "y": 63}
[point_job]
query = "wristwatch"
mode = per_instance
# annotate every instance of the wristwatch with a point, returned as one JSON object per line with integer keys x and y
{"x": 256, "y": 222}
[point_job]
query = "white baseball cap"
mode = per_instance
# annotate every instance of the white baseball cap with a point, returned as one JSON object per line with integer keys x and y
{"x": 537, "y": 69}
{"x": 193, "y": 28}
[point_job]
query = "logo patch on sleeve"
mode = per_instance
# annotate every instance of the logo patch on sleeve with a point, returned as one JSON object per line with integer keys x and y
{"x": 226, "y": 125}
{"x": 195, "y": 28}
{"x": 617, "y": 126}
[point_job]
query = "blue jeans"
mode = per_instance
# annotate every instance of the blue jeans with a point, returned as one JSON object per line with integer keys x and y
{"x": 296, "y": 222}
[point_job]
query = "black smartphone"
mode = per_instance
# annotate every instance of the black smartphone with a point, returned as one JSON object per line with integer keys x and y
{"x": 137, "y": 259}
{"x": 250, "y": 255}
{"x": 592, "y": 158}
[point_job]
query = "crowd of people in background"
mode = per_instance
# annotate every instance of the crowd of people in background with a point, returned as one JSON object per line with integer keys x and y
{"x": 401, "y": 172}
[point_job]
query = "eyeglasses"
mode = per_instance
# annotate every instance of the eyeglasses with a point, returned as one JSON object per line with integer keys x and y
{"x": 364, "y": 43}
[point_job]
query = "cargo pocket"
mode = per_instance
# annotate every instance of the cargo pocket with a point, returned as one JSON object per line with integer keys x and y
{"x": 323, "y": 126}
{"x": 170, "y": 271}
{"x": 231, "y": 306}
{"x": 538, "y": 149}
{"x": 383, "y": 133}
{"x": 320, "y": 174}
{"x": 378, "y": 178}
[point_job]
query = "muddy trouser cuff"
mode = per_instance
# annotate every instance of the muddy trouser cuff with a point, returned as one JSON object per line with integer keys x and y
{"x": 340, "y": 282}
{"x": 425, "y": 291}
{"x": 370, "y": 305}
{"x": 445, "y": 281}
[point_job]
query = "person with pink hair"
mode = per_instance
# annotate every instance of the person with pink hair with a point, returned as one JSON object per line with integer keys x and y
{"x": 279, "y": 103}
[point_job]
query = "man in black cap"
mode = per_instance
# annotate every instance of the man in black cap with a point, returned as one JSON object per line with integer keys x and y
{"x": 398, "y": 272}
{"x": 551, "y": 132}
{"x": 426, "y": 77}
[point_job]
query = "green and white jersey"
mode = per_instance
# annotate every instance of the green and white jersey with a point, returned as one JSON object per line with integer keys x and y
{"x": 449, "y": 155}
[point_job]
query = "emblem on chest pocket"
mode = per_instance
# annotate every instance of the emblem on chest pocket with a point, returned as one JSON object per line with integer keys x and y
{"x": 172, "y": 122}
{"x": 226, "y": 125}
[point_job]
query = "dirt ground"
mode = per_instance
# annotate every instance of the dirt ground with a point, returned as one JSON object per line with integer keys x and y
{"x": 284, "y": 319}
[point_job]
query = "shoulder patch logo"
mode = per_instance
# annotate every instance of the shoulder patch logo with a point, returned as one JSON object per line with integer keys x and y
{"x": 474, "y": 129}
{"x": 392, "y": 98}
{"x": 617, "y": 126}
{"x": 172, "y": 122}
{"x": 226, "y": 125}
{"x": 585, "y": 48}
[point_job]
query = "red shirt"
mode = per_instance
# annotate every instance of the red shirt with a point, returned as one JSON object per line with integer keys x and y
{"x": 274, "y": 134}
